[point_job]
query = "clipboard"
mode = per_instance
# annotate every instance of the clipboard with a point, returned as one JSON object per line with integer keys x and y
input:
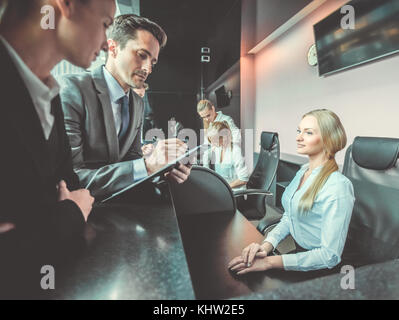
{"x": 161, "y": 171}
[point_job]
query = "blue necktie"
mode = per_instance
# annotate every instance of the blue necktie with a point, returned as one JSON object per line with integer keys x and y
{"x": 124, "y": 101}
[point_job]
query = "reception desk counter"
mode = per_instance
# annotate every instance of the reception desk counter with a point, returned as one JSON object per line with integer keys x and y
{"x": 147, "y": 252}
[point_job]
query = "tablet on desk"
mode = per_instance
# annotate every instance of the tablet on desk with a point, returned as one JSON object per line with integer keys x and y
{"x": 161, "y": 171}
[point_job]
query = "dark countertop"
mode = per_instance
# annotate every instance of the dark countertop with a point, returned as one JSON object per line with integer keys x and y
{"x": 210, "y": 242}
{"x": 134, "y": 252}
{"x": 378, "y": 281}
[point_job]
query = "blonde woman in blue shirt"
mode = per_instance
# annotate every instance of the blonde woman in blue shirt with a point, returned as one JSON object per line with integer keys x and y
{"x": 318, "y": 205}
{"x": 226, "y": 156}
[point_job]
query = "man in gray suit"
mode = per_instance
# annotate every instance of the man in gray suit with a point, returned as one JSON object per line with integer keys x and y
{"x": 104, "y": 116}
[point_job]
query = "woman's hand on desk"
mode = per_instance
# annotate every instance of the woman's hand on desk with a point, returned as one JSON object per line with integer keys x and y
{"x": 240, "y": 262}
{"x": 254, "y": 258}
{"x": 255, "y": 249}
{"x": 259, "y": 264}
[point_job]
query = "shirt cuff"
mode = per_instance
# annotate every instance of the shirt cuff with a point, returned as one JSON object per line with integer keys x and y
{"x": 290, "y": 262}
{"x": 139, "y": 169}
{"x": 272, "y": 240}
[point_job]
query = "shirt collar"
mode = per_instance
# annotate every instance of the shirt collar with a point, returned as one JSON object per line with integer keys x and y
{"x": 314, "y": 171}
{"x": 115, "y": 90}
{"x": 37, "y": 89}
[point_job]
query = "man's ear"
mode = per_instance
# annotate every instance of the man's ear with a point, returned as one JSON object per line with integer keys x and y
{"x": 66, "y": 7}
{"x": 112, "y": 48}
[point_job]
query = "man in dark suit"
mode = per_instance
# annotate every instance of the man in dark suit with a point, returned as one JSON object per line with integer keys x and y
{"x": 43, "y": 211}
{"x": 104, "y": 116}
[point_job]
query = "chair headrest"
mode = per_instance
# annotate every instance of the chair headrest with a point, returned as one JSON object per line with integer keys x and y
{"x": 375, "y": 153}
{"x": 267, "y": 139}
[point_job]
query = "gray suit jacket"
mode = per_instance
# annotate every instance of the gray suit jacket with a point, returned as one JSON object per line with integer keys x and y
{"x": 103, "y": 166}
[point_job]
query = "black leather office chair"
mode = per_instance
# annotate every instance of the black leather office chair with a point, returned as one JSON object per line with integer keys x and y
{"x": 260, "y": 181}
{"x": 204, "y": 192}
{"x": 373, "y": 167}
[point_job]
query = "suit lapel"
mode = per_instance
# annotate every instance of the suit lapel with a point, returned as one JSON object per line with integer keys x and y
{"x": 135, "y": 118}
{"x": 109, "y": 123}
{"x": 22, "y": 113}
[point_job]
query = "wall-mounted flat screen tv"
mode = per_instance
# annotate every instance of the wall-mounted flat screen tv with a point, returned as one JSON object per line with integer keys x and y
{"x": 375, "y": 35}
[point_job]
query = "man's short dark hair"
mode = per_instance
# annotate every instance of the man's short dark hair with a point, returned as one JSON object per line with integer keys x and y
{"x": 125, "y": 26}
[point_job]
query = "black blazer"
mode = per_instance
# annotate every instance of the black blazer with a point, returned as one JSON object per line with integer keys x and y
{"x": 45, "y": 228}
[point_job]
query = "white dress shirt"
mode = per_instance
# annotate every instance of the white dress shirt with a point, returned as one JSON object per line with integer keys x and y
{"x": 233, "y": 165}
{"x": 41, "y": 93}
{"x": 323, "y": 229}
{"x": 116, "y": 93}
{"x": 235, "y": 132}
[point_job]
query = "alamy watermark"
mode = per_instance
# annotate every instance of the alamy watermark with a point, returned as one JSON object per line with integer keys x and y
{"x": 348, "y": 21}
{"x": 190, "y": 137}
{"x": 48, "y": 280}
{"x": 348, "y": 280}
{"x": 48, "y": 20}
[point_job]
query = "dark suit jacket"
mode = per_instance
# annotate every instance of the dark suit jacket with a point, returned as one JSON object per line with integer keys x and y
{"x": 45, "y": 228}
{"x": 102, "y": 164}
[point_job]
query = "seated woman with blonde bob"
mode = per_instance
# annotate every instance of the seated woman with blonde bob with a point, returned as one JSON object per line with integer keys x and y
{"x": 318, "y": 205}
{"x": 226, "y": 156}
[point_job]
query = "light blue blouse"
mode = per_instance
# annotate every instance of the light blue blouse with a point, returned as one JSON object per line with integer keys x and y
{"x": 232, "y": 167}
{"x": 323, "y": 229}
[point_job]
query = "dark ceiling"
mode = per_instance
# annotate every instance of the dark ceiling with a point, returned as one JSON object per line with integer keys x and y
{"x": 188, "y": 23}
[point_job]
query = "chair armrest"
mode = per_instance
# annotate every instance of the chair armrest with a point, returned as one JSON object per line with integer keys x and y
{"x": 271, "y": 218}
{"x": 264, "y": 224}
{"x": 240, "y": 193}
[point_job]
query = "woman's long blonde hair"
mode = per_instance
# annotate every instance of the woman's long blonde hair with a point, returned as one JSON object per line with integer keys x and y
{"x": 334, "y": 139}
{"x": 216, "y": 129}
